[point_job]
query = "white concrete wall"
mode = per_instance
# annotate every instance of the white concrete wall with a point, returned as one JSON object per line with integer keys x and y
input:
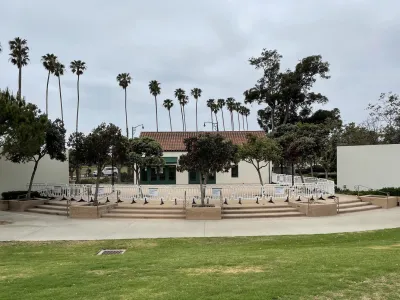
{"x": 247, "y": 173}
{"x": 17, "y": 176}
{"x": 373, "y": 166}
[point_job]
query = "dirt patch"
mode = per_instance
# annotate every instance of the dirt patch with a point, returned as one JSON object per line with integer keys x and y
{"x": 223, "y": 270}
{"x": 4, "y": 222}
{"x": 389, "y": 247}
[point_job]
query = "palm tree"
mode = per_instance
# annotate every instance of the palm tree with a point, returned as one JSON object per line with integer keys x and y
{"x": 168, "y": 104}
{"x": 230, "y": 105}
{"x": 77, "y": 67}
{"x": 242, "y": 110}
{"x": 180, "y": 95}
{"x": 155, "y": 90}
{"x": 237, "y": 109}
{"x": 247, "y": 113}
{"x": 215, "y": 109}
{"x": 19, "y": 56}
{"x": 185, "y": 101}
{"x": 124, "y": 80}
{"x": 196, "y": 93}
{"x": 210, "y": 103}
{"x": 48, "y": 61}
{"x": 221, "y": 104}
{"x": 59, "y": 70}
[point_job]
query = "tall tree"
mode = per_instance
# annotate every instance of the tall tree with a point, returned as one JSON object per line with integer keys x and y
{"x": 196, "y": 93}
{"x": 260, "y": 152}
{"x": 19, "y": 56}
{"x": 124, "y": 80}
{"x": 215, "y": 109}
{"x": 207, "y": 154}
{"x": 180, "y": 95}
{"x": 76, "y": 154}
{"x": 49, "y": 63}
{"x": 77, "y": 67}
{"x": 230, "y": 105}
{"x": 155, "y": 90}
{"x": 247, "y": 113}
{"x": 221, "y": 105}
{"x": 242, "y": 111}
{"x": 168, "y": 104}
{"x": 59, "y": 70}
{"x": 185, "y": 101}
{"x": 238, "y": 105}
{"x": 210, "y": 105}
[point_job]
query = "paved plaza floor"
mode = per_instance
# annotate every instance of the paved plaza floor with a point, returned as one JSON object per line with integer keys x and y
{"x": 38, "y": 227}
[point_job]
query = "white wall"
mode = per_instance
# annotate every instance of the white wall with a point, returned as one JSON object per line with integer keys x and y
{"x": 247, "y": 173}
{"x": 17, "y": 176}
{"x": 373, "y": 166}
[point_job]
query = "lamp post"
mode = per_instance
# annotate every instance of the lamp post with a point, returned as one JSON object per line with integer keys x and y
{"x": 214, "y": 125}
{"x": 134, "y": 129}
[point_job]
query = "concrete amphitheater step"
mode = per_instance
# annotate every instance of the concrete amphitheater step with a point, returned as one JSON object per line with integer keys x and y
{"x": 52, "y": 207}
{"x": 118, "y": 210}
{"x": 258, "y": 210}
{"x": 47, "y": 211}
{"x": 263, "y": 215}
{"x": 150, "y": 207}
{"x": 142, "y": 216}
{"x": 358, "y": 209}
{"x": 255, "y": 206}
{"x": 353, "y": 204}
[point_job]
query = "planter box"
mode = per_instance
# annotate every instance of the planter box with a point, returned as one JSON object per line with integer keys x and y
{"x": 203, "y": 213}
{"x": 3, "y": 205}
{"x": 382, "y": 201}
{"x": 316, "y": 209}
{"x": 89, "y": 211}
{"x": 22, "y": 205}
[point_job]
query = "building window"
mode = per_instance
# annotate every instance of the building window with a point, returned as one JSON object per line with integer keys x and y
{"x": 162, "y": 175}
{"x": 143, "y": 175}
{"x": 153, "y": 174}
{"x": 235, "y": 171}
{"x": 192, "y": 175}
{"x": 172, "y": 173}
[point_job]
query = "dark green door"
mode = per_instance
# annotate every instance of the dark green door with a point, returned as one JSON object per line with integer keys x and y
{"x": 194, "y": 178}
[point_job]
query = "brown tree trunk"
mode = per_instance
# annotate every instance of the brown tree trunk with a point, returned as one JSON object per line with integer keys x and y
{"x": 170, "y": 122}
{"x": 286, "y": 113}
{"x": 59, "y": 88}
{"x": 47, "y": 94}
{"x": 260, "y": 177}
{"x": 232, "y": 123}
{"x": 272, "y": 120}
{"x": 28, "y": 196}
{"x": 155, "y": 101}
{"x": 77, "y": 107}
{"x": 97, "y": 185}
{"x": 20, "y": 83}
{"x": 239, "y": 121}
{"x": 119, "y": 173}
{"x": 197, "y": 125}
{"x": 126, "y": 118}
{"x": 326, "y": 173}
{"x": 223, "y": 121}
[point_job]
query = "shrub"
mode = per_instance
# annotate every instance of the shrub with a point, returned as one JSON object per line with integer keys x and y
{"x": 11, "y": 195}
{"x": 391, "y": 190}
{"x": 93, "y": 180}
{"x": 125, "y": 177}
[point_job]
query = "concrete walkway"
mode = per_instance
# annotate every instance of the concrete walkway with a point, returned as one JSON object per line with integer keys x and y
{"x": 38, "y": 227}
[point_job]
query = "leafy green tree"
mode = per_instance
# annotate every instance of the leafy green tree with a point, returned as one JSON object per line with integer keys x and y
{"x": 144, "y": 152}
{"x": 119, "y": 148}
{"x": 77, "y": 155}
{"x": 208, "y": 154}
{"x": 155, "y": 90}
{"x": 196, "y": 93}
{"x": 230, "y": 105}
{"x": 181, "y": 95}
{"x": 49, "y": 63}
{"x": 19, "y": 56}
{"x": 210, "y": 105}
{"x": 353, "y": 135}
{"x": 98, "y": 149}
{"x": 221, "y": 105}
{"x": 168, "y": 104}
{"x": 124, "y": 80}
{"x": 77, "y": 67}
{"x": 33, "y": 139}
{"x": 59, "y": 70}
{"x": 260, "y": 152}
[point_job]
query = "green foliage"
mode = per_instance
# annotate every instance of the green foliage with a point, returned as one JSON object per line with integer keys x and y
{"x": 260, "y": 151}
{"x": 94, "y": 180}
{"x": 11, "y": 195}
{"x": 19, "y": 52}
{"x": 353, "y": 135}
{"x": 76, "y": 152}
{"x": 78, "y": 67}
{"x": 393, "y": 191}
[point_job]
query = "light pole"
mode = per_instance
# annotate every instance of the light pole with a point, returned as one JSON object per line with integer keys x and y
{"x": 214, "y": 125}
{"x": 134, "y": 129}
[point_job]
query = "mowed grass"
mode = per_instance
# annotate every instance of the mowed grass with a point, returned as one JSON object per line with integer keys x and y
{"x": 336, "y": 266}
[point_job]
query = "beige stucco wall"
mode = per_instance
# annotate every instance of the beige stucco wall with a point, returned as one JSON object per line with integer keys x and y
{"x": 373, "y": 166}
{"x": 16, "y": 176}
{"x": 247, "y": 173}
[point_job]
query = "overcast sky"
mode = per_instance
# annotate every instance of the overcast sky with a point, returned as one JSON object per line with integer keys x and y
{"x": 205, "y": 44}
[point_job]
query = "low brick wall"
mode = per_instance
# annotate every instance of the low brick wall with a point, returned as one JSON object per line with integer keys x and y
{"x": 89, "y": 211}
{"x": 315, "y": 210}
{"x": 3, "y": 205}
{"x": 382, "y": 201}
{"x": 22, "y": 205}
{"x": 203, "y": 213}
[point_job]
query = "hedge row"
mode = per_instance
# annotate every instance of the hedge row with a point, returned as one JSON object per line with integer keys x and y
{"x": 391, "y": 190}
{"x": 18, "y": 194}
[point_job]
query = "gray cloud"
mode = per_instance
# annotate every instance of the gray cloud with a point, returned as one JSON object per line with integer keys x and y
{"x": 202, "y": 44}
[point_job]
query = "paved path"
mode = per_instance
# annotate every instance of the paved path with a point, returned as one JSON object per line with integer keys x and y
{"x": 38, "y": 227}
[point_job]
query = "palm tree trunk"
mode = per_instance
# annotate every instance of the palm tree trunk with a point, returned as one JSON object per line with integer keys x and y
{"x": 247, "y": 123}
{"x": 28, "y": 196}
{"x": 47, "y": 94}
{"x": 212, "y": 120}
{"x": 239, "y": 121}
{"x": 126, "y": 118}
{"x": 232, "y": 123}
{"x": 77, "y": 107}
{"x": 272, "y": 120}
{"x": 59, "y": 88}
{"x": 155, "y": 101}
{"x": 184, "y": 117}
{"x": 20, "y": 83}
{"x": 197, "y": 125}
{"x": 183, "y": 124}
{"x": 243, "y": 121}
{"x": 223, "y": 121}
{"x": 170, "y": 122}
{"x": 216, "y": 120}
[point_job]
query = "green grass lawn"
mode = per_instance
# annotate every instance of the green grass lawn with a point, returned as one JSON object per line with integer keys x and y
{"x": 336, "y": 266}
